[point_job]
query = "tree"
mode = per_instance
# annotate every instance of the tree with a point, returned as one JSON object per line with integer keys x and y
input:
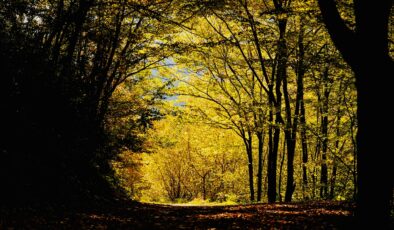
{"x": 62, "y": 61}
{"x": 370, "y": 37}
{"x": 243, "y": 58}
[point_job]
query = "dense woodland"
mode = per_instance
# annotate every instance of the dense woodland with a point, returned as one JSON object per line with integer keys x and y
{"x": 175, "y": 101}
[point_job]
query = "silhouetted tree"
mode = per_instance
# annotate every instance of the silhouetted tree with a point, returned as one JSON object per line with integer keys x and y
{"x": 366, "y": 51}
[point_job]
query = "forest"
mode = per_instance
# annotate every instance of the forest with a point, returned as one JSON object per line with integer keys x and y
{"x": 211, "y": 114}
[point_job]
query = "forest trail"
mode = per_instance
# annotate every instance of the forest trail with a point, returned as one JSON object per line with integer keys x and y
{"x": 311, "y": 215}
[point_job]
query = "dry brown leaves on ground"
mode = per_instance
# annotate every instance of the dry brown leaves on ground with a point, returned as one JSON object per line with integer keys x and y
{"x": 311, "y": 215}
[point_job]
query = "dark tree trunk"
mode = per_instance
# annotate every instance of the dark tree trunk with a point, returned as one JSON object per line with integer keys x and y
{"x": 249, "y": 152}
{"x": 281, "y": 171}
{"x": 290, "y": 185}
{"x": 304, "y": 149}
{"x": 338, "y": 134}
{"x": 300, "y": 93}
{"x": 272, "y": 158}
{"x": 280, "y": 75}
{"x": 354, "y": 144}
{"x": 373, "y": 194}
{"x": 260, "y": 137}
{"x": 290, "y": 135}
{"x": 314, "y": 159}
{"x": 370, "y": 39}
{"x": 324, "y": 132}
{"x": 292, "y": 126}
{"x": 333, "y": 179}
{"x": 273, "y": 154}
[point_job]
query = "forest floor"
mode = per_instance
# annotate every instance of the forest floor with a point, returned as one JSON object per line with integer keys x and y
{"x": 307, "y": 215}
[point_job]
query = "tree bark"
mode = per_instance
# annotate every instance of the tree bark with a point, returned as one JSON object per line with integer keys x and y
{"x": 304, "y": 149}
{"x": 260, "y": 137}
{"x": 300, "y": 72}
{"x": 373, "y": 159}
{"x": 324, "y": 132}
{"x": 280, "y": 171}
{"x": 291, "y": 123}
{"x": 272, "y": 158}
{"x": 249, "y": 152}
{"x": 281, "y": 73}
{"x": 290, "y": 135}
{"x": 338, "y": 134}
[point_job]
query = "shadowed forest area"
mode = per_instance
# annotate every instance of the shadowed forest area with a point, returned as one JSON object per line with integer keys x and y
{"x": 204, "y": 114}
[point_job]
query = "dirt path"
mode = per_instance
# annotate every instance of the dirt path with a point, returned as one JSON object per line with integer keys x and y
{"x": 316, "y": 215}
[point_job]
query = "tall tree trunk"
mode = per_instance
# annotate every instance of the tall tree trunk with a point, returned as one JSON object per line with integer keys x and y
{"x": 333, "y": 177}
{"x": 281, "y": 170}
{"x": 249, "y": 152}
{"x": 290, "y": 135}
{"x": 338, "y": 134}
{"x": 354, "y": 144}
{"x": 281, "y": 73}
{"x": 314, "y": 182}
{"x": 300, "y": 94}
{"x": 304, "y": 150}
{"x": 324, "y": 131}
{"x": 290, "y": 185}
{"x": 291, "y": 123}
{"x": 273, "y": 154}
{"x": 373, "y": 160}
{"x": 315, "y": 157}
{"x": 260, "y": 137}
{"x": 272, "y": 158}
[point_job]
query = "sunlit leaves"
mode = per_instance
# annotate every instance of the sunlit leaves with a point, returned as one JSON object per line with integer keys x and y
{"x": 189, "y": 160}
